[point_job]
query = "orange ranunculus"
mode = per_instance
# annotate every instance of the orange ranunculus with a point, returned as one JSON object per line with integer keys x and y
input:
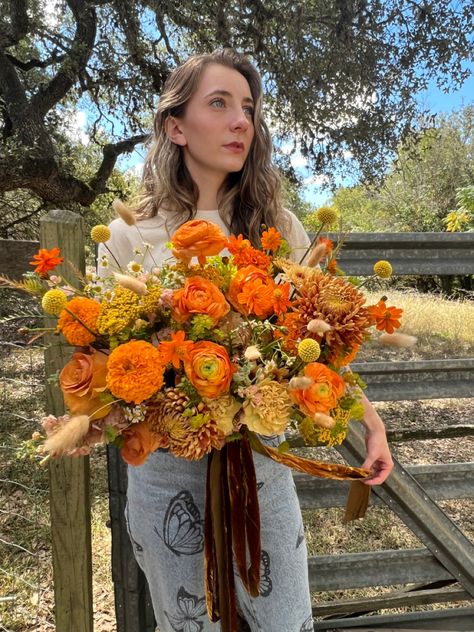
{"x": 82, "y": 381}
{"x": 140, "y": 442}
{"x": 247, "y": 277}
{"x": 209, "y": 368}
{"x": 199, "y": 296}
{"x": 198, "y": 238}
{"x": 385, "y": 318}
{"x": 46, "y": 260}
{"x": 271, "y": 239}
{"x": 323, "y": 394}
{"x": 78, "y": 321}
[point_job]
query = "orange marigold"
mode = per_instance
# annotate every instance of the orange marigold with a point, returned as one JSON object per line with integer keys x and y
{"x": 77, "y": 318}
{"x": 271, "y": 239}
{"x": 46, "y": 260}
{"x": 385, "y": 318}
{"x": 135, "y": 371}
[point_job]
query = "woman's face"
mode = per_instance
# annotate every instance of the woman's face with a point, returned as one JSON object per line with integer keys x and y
{"x": 217, "y": 129}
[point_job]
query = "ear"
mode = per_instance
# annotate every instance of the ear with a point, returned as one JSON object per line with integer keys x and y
{"x": 174, "y": 132}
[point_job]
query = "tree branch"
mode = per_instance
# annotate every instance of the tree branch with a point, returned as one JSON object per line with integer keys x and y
{"x": 11, "y": 34}
{"x": 111, "y": 153}
{"x": 74, "y": 63}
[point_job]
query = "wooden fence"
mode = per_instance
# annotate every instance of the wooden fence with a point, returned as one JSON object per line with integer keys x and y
{"x": 441, "y": 572}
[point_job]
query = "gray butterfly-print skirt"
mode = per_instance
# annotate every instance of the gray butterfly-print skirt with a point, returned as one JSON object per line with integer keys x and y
{"x": 165, "y": 520}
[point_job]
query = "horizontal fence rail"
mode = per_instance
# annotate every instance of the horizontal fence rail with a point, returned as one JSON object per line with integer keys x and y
{"x": 409, "y": 253}
{"x": 420, "y": 379}
{"x": 441, "y": 482}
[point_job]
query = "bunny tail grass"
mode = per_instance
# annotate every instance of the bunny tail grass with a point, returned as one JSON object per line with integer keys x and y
{"x": 68, "y": 436}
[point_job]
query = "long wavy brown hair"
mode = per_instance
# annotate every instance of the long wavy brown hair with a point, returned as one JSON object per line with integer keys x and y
{"x": 249, "y": 198}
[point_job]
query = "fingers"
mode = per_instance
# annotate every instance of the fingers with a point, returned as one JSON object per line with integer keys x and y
{"x": 380, "y": 471}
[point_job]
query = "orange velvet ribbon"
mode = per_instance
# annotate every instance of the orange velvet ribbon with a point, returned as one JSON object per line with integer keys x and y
{"x": 232, "y": 518}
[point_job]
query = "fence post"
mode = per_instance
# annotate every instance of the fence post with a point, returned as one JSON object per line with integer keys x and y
{"x": 68, "y": 477}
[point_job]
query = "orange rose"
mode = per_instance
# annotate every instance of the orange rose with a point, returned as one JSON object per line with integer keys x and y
{"x": 199, "y": 296}
{"x": 209, "y": 368}
{"x": 323, "y": 394}
{"x": 139, "y": 443}
{"x": 251, "y": 291}
{"x": 198, "y": 238}
{"x": 82, "y": 381}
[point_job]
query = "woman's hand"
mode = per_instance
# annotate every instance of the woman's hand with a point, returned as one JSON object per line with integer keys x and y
{"x": 378, "y": 458}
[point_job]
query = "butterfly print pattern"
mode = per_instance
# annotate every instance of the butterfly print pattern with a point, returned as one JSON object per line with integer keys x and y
{"x": 138, "y": 547}
{"x": 190, "y": 609}
{"x": 308, "y": 625}
{"x": 183, "y": 528}
{"x": 266, "y": 584}
{"x": 300, "y": 538}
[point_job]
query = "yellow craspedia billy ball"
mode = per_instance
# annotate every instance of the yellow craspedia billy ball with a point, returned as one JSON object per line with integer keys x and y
{"x": 383, "y": 269}
{"x": 309, "y": 350}
{"x": 100, "y": 233}
{"x": 54, "y": 301}
{"x": 327, "y": 215}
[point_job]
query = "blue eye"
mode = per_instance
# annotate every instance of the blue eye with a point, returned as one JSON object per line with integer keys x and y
{"x": 218, "y": 102}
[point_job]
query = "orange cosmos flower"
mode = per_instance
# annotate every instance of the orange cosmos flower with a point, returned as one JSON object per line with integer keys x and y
{"x": 281, "y": 298}
{"x": 385, "y": 318}
{"x": 199, "y": 296}
{"x": 326, "y": 389}
{"x": 198, "y": 238}
{"x": 294, "y": 325}
{"x": 271, "y": 239}
{"x": 46, "y": 260}
{"x": 176, "y": 349}
{"x": 87, "y": 312}
{"x": 237, "y": 244}
{"x": 328, "y": 243}
{"x": 209, "y": 369}
{"x": 135, "y": 371}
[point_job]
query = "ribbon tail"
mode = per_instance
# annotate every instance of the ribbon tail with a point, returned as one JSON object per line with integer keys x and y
{"x": 219, "y": 571}
{"x": 238, "y": 508}
{"x": 252, "y": 518}
{"x": 358, "y": 499}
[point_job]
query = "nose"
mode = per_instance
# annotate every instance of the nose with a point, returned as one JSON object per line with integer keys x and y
{"x": 240, "y": 121}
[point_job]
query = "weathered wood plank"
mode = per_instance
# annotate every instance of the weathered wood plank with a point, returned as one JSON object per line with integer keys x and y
{"x": 420, "y": 379}
{"x": 409, "y": 253}
{"x": 374, "y": 568}
{"x": 392, "y": 600}
{"x": 441, "y": 481}
{"x": 15, "y": 256}
{"x": 420, "y": 513}
{"x": 69, "y": 477}
{"x": 449, "y": 620}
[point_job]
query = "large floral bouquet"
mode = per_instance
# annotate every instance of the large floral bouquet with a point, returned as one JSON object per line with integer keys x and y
{"x": 205, "y": 354}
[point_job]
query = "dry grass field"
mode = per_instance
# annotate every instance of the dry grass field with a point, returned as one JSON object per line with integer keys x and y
{"x": 444, "y": 329}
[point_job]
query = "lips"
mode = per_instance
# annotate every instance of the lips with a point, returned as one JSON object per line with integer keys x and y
{"x": 235, "y": 146}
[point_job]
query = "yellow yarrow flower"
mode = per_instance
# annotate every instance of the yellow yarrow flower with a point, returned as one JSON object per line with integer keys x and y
{"x": 327, "y": 215}
{"x": 54, "y": 301}
{"x": 383, "y": 269}
{"x": 118, "y": 313}
{"x": 150, "y": 302}
{"x": 309, "y": 350}
{"x": 100, "y": 233}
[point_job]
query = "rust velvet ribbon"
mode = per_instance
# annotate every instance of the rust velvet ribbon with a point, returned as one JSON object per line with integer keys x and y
{"x": 232, "y": 518}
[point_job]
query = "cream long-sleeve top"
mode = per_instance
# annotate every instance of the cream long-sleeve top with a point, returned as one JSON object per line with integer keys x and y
{"x": 126, "y": 239}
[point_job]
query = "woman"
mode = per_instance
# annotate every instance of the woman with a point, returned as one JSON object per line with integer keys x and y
{"x": 211, "y": 159}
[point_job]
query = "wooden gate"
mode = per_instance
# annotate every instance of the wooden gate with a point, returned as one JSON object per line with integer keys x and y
{"x": 442, "y": 571}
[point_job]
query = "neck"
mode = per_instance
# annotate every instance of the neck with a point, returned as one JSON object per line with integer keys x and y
{"x": 209, "y": 184}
